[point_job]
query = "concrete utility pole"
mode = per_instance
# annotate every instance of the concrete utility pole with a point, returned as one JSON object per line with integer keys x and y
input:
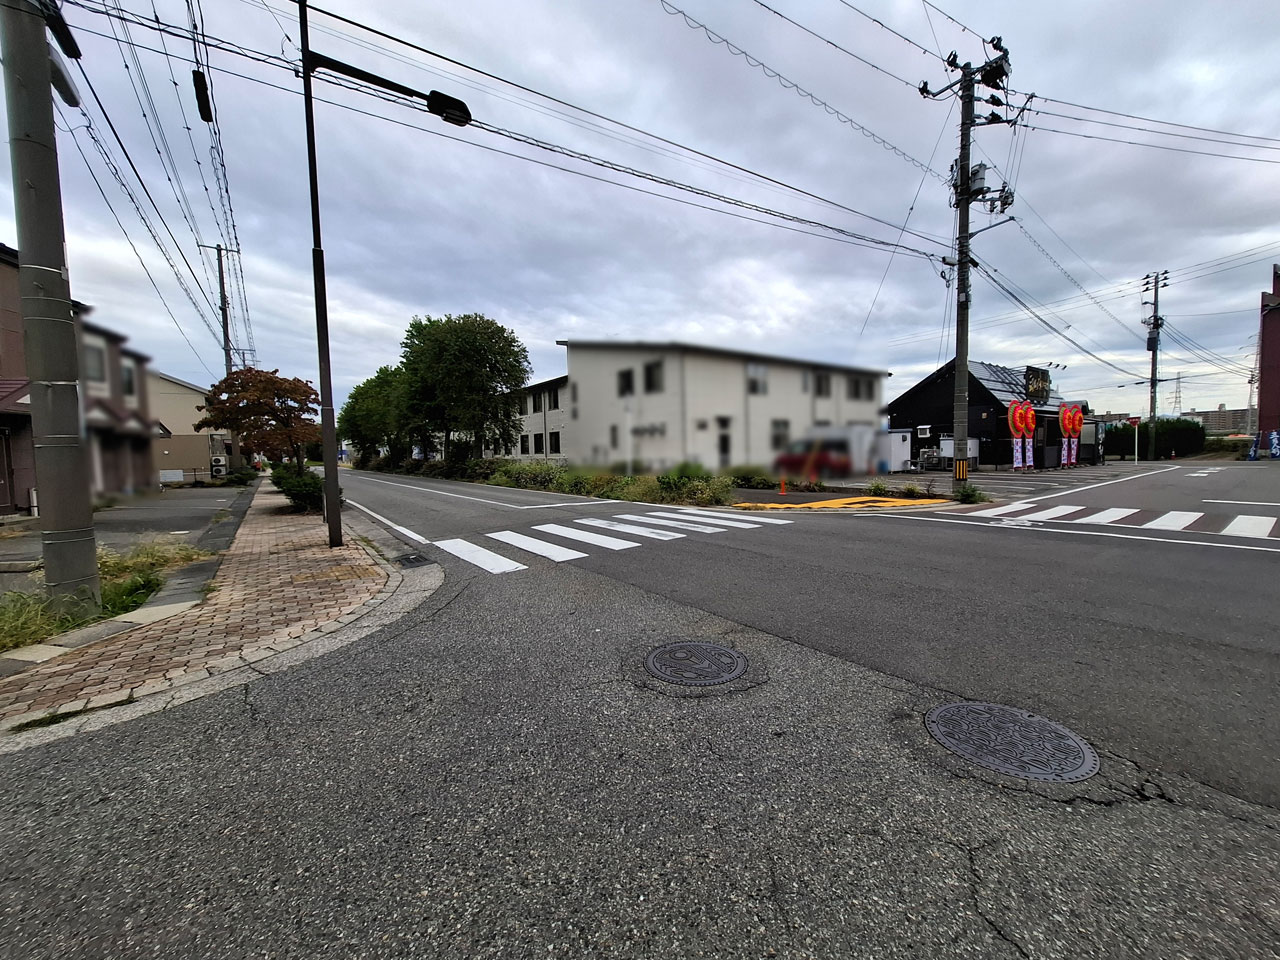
{"x": 994, "y": 74}
{"x": 1152, "y": 283}
{"x": 52, "y": 352}
{"x": 224, "y": 309}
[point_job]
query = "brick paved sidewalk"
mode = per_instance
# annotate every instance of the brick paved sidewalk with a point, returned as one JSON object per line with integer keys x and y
{"x": 278, "y": 582}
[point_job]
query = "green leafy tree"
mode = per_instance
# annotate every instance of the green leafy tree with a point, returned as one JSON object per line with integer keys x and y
{"x": 272, "y": 414}
{"x": 459, "y": 376}
{"x": 371, "y": 417}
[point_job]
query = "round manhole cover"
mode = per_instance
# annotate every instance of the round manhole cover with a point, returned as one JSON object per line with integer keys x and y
{"x": 1013, "y": 742}
{"x": 695, "y": 664}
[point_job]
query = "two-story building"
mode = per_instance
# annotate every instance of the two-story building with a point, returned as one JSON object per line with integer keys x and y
{"x": 665, "y": 403}
{"x": 117, "y": 421}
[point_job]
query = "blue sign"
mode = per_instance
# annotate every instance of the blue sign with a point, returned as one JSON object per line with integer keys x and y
{"x": 1275, "y": 444}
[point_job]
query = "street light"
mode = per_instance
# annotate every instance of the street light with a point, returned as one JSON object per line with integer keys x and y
{"x": 451, "y": 110}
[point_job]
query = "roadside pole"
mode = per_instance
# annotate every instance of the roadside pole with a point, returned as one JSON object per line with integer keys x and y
{"x": 1152, "y": 284}
{"x": 223, "y": 308}
{"x": 52, "y": 353}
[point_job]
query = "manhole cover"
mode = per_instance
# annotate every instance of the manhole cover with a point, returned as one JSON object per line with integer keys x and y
{"x": 695, "y": 664}
{"x": 1012, "y": 741}
{"x": 412, "y": 560}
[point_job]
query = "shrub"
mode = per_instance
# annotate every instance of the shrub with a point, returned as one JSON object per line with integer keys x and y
{"x": 911, "y": 491}
{"x": 574, "y": 483}
{"x": 877, "y": 488}
{"x": 384, "y": 464}
{"x": 711, "y": 492}
{"x": 242, "y": 477}
{"x": 364, "y": 459}
{"x": 968, "y": 493}
{"x": 751, "y": 478}
{"x": 411, "y": 465}
{"x": 690, "y": 469}
{"x": 304, "y": 490}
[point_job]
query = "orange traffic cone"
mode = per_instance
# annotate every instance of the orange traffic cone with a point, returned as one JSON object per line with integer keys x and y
{"x": 783, "y": 491}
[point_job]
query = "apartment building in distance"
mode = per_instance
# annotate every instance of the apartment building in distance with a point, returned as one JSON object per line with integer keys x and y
{"x": 665, "y": 403}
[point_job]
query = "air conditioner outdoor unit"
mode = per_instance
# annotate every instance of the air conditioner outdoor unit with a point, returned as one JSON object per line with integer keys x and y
{"x": 923, "y": 431}
{"x": 218, "y": 470}
{"x": 218, "y": 461}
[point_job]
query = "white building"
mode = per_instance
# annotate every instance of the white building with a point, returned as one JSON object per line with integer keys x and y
{"x": 679, "y": 402}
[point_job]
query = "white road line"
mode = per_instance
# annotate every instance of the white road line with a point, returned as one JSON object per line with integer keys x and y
{"x": 729, "y": 516}
{"x": 598, "y": 540}
{"x": 1110, "y": 515}
{"x": 1247, "y": 503}
{"x": 482, "y": 558}
{"x": 1064, "y": 530}
{"x": 719, "y": 523}
{"x": 1197, "y": 474}
{"x": 679, "y": 525}
{"x": 552, "y": 551}
{"x": 1051, "y": 513}
{"x": 1001, "y": 510}
{"x": 417, "y": 538}
{"x": 1105, "y": 483}
{"x": 630, "y": 528}
{"x": 497, "y": 503}
{"x": 1247, "y": 526}
{"x": 1174, "y": 520}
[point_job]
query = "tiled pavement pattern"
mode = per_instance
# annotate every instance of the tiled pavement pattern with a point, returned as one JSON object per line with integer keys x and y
{"x": 277, "y": 582}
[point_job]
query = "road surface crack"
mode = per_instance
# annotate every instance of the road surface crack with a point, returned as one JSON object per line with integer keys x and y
{"x": 975, "y": 889}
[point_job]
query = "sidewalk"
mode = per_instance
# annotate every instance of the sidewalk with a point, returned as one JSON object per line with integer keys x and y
{"x": 279, "y": 584}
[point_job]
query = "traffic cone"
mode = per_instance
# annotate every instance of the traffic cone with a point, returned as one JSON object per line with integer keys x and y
{"x": 783, "y": 491}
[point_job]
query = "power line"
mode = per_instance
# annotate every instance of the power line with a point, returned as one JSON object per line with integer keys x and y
{"x": 831, "y": 43}
{"x": 115, "y": 216}
{"x": 1165, "y": 123}
{"x": 1153, "y": 146}
{"x": 1161, "y": 133}
{"x": 800, "y": 91}
{"x": 883, "y": 26}
{"x": 132, "y": 166}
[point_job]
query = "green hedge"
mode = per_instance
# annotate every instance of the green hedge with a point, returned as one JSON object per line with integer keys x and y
{"x": 305, "y": 490}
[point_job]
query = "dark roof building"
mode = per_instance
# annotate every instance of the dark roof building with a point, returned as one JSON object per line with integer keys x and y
{"x": 928, "y": 410}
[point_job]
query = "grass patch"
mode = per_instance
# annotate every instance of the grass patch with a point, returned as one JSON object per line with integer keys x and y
{"x": 685, "y": 484}
{"x": 968, "y": 493}
{"x": 127, "y": 581}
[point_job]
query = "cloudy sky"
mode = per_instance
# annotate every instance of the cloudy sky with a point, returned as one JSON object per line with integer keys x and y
{"x": 434, "y": 221}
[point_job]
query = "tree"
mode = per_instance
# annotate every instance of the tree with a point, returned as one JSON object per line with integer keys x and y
{"x": 459, "y": 375}
{"x": 371, "y": 417}
{"x": 270, "y": 412}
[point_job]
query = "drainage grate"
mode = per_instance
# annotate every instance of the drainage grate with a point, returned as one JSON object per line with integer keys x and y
{"x": 412, "y": 560}
{"x": 693, "y": 664}
{"x": 1013, "y": 742}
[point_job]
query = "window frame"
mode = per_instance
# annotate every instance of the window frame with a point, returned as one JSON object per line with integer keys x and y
{"x": 822, "y": 385}
{"x": 553, "y": 442}
{"x": 539, "y": 444}
{"x": 524, "y": 444}
{"x": 654, "y": 376}
{"x": 627, "y": 382}
{"x": 100, "y": 353}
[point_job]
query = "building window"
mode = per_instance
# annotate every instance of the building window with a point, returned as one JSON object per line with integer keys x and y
{"x": 95, "y": 364}
{"x": 553, "y": 440}
{"x": 757, "y": 378}
{"x": 822, "y": 384}
{"x": 780, "y": 433}
{"x": 804, "y": 381}
{"x": 506, "y": 450}
{"x": 573, "y": 392}
{"x": 524, "y": 443}
{"x": 822, "y": 423}
{"x": 537, "y": 402}
{"x": 128, "y": 380}
{"x": 537, "y": 443}
{"x": 626, "y": 383}
{"x": 653, "y": 377}
{"x": 722, "y": 423}
{"x": 613, "y": 437}
{"x": 553, "y": 398}
{"x": 853, "y": 387}
{"x": 701, "y": 425}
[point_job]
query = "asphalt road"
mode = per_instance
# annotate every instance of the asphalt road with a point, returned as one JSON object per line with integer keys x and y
{"x": 493, "y": 775}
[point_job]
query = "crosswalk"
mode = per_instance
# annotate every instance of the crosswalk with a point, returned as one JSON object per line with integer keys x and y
{"x": 1189, "y": 521}
{"x": 609, "y": 534}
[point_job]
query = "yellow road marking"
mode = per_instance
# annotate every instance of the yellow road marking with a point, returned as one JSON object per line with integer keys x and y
{"x": 845, "y": 503}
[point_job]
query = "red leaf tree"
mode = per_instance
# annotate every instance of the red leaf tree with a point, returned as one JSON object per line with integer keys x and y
{"x": 272, "y": 414}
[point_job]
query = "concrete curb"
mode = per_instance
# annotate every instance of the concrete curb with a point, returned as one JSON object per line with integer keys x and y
{"x": 401, "y": 593}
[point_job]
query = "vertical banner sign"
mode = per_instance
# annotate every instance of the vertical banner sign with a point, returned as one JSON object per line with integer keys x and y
{"x": 1275, "y": 445}
{"x": 1017, "y": 427}
{"x": 1017, "y": 453}
{"x": 1066, "y": 453}
{"x": 1030, "y": 420}
{"x": 1075, "y": 449}
{"x": 1031, "y": 453}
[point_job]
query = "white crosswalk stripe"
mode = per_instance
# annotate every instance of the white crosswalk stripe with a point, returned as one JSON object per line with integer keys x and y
{"x": 1174, "y": 520}
{"x": 1250, "y": 526}
{"x": 1000, "y": 510}
{"x": 552, "y": 551}
{"x": 482, "y": 558}
{"x": 1051, "y": 513}
{"x": 678, "y": 524}
{"x": 586, "y": 536}
{"x": 725, "y": 516}
{"x": 630, "y": 528}
{"x": 1110, "y": 515}
{"x": 741, "y": 524}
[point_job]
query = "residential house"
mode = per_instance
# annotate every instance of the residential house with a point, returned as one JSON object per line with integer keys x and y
{"x": 174, "y": 404}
